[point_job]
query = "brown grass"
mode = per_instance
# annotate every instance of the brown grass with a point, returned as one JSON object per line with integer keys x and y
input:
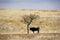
{"x": 46, "y": 36}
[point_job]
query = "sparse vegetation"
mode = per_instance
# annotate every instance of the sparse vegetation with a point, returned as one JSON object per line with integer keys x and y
{"x": 12, "y": 28}
{"x": 49, "y": 21}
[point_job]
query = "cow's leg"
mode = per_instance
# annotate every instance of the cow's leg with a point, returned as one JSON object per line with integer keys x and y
{"x": 33, "y": 32}
{"x": 38, "y": 30}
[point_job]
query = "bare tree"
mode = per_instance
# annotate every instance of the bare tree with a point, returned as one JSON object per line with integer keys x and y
{"x": 27, "y": 19}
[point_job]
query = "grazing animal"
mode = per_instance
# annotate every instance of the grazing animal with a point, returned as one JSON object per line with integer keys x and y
{"x": 33, "y": 29}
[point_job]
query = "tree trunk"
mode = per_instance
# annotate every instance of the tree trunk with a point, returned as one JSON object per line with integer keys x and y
{"x": 28, "y": 26}
{"x": 27, "y": 29}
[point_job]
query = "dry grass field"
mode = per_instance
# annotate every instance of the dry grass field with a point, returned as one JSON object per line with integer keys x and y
{"x": 41, "y": 36}
{"x": 13, "y": 28}
{"x": 11, "y": 21}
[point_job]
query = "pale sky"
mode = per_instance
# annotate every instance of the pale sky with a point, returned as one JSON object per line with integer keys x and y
{"x": 31, "y": 4}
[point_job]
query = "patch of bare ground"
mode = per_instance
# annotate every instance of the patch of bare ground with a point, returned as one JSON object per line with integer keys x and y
{"x": 41, "y": 36}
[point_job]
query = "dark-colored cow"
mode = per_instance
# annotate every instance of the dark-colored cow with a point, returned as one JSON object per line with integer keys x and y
{"x": 33, "y": 29}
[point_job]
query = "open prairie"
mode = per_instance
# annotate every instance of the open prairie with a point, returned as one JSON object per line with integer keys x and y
{"x": 12, "y": 26}
{"x": 11, "y": 21}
